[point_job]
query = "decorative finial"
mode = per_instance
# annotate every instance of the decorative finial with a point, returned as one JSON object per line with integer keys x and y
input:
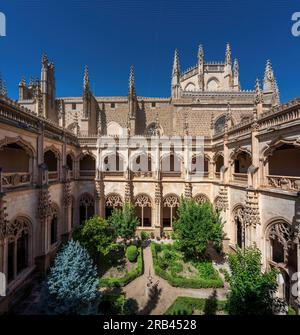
{"x": 228, "y": 60}
{"x": 236, "y": 68}
{"x": 86, "y": 80}
{"x": 176, "y": 65}
{"x": 258, "y": 93}
{"x": 131, "y": 81}
{"x": 200, "y": 54}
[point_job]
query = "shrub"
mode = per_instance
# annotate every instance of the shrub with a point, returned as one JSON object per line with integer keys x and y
{"x": 251, "y": 290}
{"x": 188, "y": 304}
{"x": 130, "y": 276}
{"x": 124, "y": 221}
{"x": 176, "y": 268}
{"x": 180, "y": 281}
{"x": 197, "y": 226}
{"x": 72, "y": 282}
{"x": 97, "y": 236}
{"x": 132, "y": 253}
{"x": 144, "y": 235}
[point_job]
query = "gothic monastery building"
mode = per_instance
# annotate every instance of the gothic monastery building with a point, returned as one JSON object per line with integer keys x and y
{"x": 62, "y": 160}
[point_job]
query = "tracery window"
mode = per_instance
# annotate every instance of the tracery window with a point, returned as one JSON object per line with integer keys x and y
{"x": 86, "y": 207}
{"x": 170, "y": 204}
{"x": 143, "y": 209}
{"x": 220, "y": 125}
{"x": 113, "y": 201}
{"x": 17, "y": 233}
{"x": 201, "y": 199}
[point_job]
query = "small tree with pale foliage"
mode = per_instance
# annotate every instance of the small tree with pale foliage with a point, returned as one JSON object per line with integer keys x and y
{"x": 72, "y": 283}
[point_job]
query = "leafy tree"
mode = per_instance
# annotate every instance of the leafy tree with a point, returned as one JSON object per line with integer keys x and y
{"x": 197, "y": 226}
{"x": 97, "y": 236}
{"x": 251, "y": 290}
{"x": 72, "y": 282}
{"x": 124, "y": 221}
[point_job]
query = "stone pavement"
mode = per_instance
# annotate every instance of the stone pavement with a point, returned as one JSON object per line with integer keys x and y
{"x": 165, "y": 293}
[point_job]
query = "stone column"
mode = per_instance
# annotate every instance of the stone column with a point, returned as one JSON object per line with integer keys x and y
{"x": 252, "y": 216}
{"x": 67, "y": 202}
{"x": 100, "y": 197}
{"x": 158, "y": 209}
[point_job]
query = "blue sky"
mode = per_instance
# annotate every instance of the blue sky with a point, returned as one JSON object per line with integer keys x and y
{"x": 111, "y": 35}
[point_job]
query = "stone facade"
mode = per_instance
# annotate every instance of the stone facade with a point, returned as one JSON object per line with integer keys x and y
{"x": 251, "y": 142}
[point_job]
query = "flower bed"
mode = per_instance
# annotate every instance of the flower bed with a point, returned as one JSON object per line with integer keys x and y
{"x": 136, "y": 271}
{"x": 175, "y": 270}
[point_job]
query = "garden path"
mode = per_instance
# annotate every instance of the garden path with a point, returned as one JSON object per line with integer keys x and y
{"x": 163, "y": 294}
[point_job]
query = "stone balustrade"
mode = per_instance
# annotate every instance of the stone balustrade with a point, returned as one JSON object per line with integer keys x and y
{"x": 284, "y": 182}
{"x": 15, "y": 179}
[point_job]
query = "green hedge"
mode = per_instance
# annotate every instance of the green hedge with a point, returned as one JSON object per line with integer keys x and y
{"x": 183, "y": 304}
{"x": 133, "y": 274}
{"x": 132, "y": 253}
{"x": 179, "y": 281}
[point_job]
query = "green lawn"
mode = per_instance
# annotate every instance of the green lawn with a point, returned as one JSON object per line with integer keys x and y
{"x": 170, "y": 264}
{"x": 190, "y": 306}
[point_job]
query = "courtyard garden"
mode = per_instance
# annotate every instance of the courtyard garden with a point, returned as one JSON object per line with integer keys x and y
{"x": 106, "y": 269}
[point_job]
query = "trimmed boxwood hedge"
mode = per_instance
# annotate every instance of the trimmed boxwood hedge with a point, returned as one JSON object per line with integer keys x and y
{"x": 132, "y": 253}
{"x": 179, "y": 281}
{"x": 133, "y": 274}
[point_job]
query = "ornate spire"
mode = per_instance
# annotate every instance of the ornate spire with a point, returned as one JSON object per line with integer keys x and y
{"x": 236, "y": 68}
{"x": 44, "y": 58}
{"x": 30, "y": 84}
{"x": 268, "y": 77}
{"x": 176, "y": 65}
{"x": 258, "y": 93}
{"x": 200, "y": 55}
{"x": 131, "y": 82}
{"x": 4, "y": 88}
{"x": 228, "y": 59}
{"x": 86, "y": 80}
{"x": 22, "y": 81}
{"x": 175, "y": 84}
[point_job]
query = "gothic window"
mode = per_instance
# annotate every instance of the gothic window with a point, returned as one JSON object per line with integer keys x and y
{"x": 18, "y": 247}
{"x": 143, "y": 209}
{"x": 54, "y": 224}
{"x": 285, "y": 161}
{"x": 113, "y": 163}
{"x": 50, "y": 159}
{"x": 153, "y": 130}
{"x": 242, "y": 162}
{"x": 171, "y": 163}
{"x": 87, "y": 166}
{"x": 141, "y": 163}
{"x": 70, "y": 162}
{"x": 170, "y": 204}
{"x": 86, "y": 207}
{"x": 14, "y": 158}
{"x": 201, "y": 199}
{"x": 220, "y": 125}
{"x": 113, "y": 201}
{"x": 219, "y": 163}
{"x": 281, "y": 241}
{"x": 238, "y": 216}
{"x": 213, "y": 84}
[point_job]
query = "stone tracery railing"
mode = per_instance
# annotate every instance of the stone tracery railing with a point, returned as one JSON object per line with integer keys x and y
{"x": 284, "y": 182}
{"x": 15, "y": 179}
